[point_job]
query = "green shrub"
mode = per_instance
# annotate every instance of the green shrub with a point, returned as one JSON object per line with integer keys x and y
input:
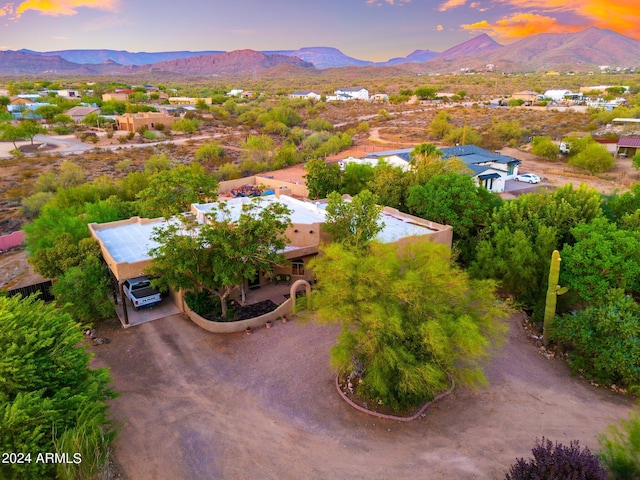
{"x": 621, "y": 449}
{"x": 544, "y": 147}
{"x": 604, "y": 340}
{"x": 203, "y": 302}
{"x": 594, "y": 158}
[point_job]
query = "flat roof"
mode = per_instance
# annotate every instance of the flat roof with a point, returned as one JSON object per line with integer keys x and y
{"x": 626, "y": 120}
{"x": 131, "y": 242}
{"x": 301, "y": 212}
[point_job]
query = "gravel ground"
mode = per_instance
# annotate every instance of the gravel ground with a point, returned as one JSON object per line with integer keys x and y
{"x": 195, "y": 405}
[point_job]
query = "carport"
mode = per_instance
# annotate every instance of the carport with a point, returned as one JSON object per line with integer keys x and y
{"x": 125, "y": 246}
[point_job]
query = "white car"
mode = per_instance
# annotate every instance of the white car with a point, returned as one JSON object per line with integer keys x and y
{"x": 527, "y": 177}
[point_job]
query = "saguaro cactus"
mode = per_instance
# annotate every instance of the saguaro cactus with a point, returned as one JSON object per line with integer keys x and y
{"x": 552, "y": 295}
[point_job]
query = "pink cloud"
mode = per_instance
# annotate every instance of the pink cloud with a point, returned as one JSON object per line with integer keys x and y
{"x": 64, "y": 7}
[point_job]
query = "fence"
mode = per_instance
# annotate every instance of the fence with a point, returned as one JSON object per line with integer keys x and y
{"x": 43, "y": 289}
{"x": 12, "y": 240}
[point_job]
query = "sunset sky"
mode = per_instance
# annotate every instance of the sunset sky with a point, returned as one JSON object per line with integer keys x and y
{"x": 366, "y": 29}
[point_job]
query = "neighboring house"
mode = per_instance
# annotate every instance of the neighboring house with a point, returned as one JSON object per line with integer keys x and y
{"x": 125, "y": 244}
{"x": 373, "y": 161}
{"x": 627, "y": 147}
{"x": 527, "y": 96}
{"x": 488, "y": 169}
{"x": 79, "y": 113}
{"x": 116, "y": 97}
{"x": 26, "y": 110}
{"x": 22, "y": 100}
{"x": 188, "y": 100}
{"x": 66, "y": 93}
{"x": 628, "y": 125}
{"x": 557, "y": 95}
{"x": 131, "y": 122}
{"x": 234, "y": 93}
{"x": 345, "y": 94}
{"x": 307, "y": 95}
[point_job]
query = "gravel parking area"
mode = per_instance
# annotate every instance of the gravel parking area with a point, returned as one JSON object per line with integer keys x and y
{"x": 195, "y": 405}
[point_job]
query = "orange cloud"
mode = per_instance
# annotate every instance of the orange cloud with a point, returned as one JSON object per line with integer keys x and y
{"x": 622, "y": 16}
{"x": 521, "y": 25}
{"x": 449, "y": 4}
{"x": 64, "y": 7}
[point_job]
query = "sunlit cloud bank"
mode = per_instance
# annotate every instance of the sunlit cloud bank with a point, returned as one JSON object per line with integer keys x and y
{"x": 555, "y": 16}
{"x": 55, "y": 7}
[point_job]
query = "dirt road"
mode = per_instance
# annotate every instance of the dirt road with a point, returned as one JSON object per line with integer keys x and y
{"x": 195, "y": 405}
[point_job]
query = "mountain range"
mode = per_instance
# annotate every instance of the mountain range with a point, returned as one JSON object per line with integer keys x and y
{"x": 583, "y": 50}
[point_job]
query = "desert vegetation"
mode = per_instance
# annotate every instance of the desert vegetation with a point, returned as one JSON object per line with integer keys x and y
{"x": 405, "y": 350}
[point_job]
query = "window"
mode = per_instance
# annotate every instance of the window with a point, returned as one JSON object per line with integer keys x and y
{"x": 297, "y": 267}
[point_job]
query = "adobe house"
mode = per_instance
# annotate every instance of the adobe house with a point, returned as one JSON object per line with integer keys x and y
{"x": 131, "y": 122}
{"x": 125, "y": 244}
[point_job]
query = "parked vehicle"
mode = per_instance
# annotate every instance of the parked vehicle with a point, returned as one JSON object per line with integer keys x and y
{"x": 564, "y": 148}
{"x": 141, "y": 293}
{"x": 527, "y": 177}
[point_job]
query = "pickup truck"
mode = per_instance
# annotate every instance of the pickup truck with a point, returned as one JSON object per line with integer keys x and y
{"x": 141, "y": 293}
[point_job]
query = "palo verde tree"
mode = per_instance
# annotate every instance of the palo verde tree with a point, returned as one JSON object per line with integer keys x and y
{"x": 46, "y": 387}
{"x": 220, "y": 254}
{"x": 410, "y": 320}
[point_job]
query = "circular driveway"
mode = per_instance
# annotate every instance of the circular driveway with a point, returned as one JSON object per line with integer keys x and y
{"x": 195, "y": 405}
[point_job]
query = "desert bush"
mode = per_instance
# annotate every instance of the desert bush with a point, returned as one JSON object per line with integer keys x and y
{"x": 123, "y": 139}
{"x": 210, "y": 152}
{"x": 31, "y": 205}
{"x": 320, "y": 124}
{"x": 363, "y": 127}
{"x": 149, "y": 135}
{"x": 544, "y": 147}
{"x": 604, "y": 340}
{"x": 558, "y": 462}
{"x": 594, "y": 158}
{"x": 621, "y": 449}
{"x": 123, "y": 166}
{"x": 156, "y": 163}
{"x": 229, "y": 171}
{"x": 62, "y": 129}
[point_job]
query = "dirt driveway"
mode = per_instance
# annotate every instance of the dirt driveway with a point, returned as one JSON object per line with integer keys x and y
{"x": 195, "y": 405}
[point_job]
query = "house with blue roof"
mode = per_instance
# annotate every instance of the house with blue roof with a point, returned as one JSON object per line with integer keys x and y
{"x": 489, "y": 169}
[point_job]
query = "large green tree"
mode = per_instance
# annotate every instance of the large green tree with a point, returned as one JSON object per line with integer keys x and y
{"x": 356, "y": 177}
{"x": 409, "y": 319}
{"x": 219, "y": 255}
{"x": 603, "y": 257}
{"x": 322, "y": 178}
{"x": 522, "y": 234}
{"x": 173, "y": 191}
{"x": 604, "y": 340}
{"x": 353, "y": 223}
{"x": 455, "y": 200}
{"x": 45, "y": 386}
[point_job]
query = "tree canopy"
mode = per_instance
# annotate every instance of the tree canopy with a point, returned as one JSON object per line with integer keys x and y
{"x": 409, "y": 319}
{"x": 219, "y": 255}
{"x": 45, "y": 386}
{"x": 353, "y": 223}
